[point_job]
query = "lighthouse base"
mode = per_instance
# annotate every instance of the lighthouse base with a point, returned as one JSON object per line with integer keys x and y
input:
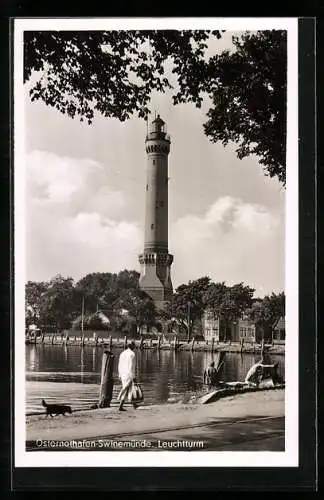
{"x": 155, "y": 279}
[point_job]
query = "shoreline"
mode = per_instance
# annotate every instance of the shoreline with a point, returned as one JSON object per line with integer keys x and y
{"x": 198, "y": 346}
{"x": 162, "y": 420}
{"x": 194, "y": 398}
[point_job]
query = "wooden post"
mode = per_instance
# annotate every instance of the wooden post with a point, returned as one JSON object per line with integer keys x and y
{"x": 175, "y": 342}
{"x": 192, "y": 343}
{"x": 110, "y": 343}
{"x": 212, "y": 344}
{"x": 242, "y": 344}
{"x": 107, "y": 382}
{"x": 125, "y": 341}
{"x": 262, "y": 348}
{"x": 43, "y": 338}
{"x": 151, "y": 342}
{"x": 82, "y": 341}
{"x": 96, "y": 339}
{"x": 53, "y": 336}
{"x": 159, "y": 343}
{"x": 141, "y": 342}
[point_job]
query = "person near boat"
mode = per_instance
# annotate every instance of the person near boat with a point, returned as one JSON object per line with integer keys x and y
{"x": 211, "y": 375}
{"x": 260, "y": 371}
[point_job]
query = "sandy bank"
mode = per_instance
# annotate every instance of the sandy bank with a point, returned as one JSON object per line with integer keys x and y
{"x": 110, "y": 422}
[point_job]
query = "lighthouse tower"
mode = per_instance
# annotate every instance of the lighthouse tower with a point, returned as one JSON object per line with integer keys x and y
{"x": 155, "y": 278}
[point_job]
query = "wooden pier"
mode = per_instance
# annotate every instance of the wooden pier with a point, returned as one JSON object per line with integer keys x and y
{"x": 110, "y": 342}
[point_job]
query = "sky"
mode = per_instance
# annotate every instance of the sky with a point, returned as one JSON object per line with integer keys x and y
{"x": 85, "y": 198}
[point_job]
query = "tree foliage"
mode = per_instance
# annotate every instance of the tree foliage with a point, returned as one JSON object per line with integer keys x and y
{"x": 33, "y": 294}
{"x": 266, "y": 311}
{"x": 229, "y": 302}
{"x": 249, "y": 99}
{"x": 57, "y": 303}
{"x": 110, "y": 72}
{"x": 102, "y": 290}
{"x": 139, "y": 306}
{"x": 114, "y": 73}
{"x": 188, "y": 302}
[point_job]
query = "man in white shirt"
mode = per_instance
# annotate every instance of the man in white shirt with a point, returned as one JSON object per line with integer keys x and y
{"x": 126, "y": 372}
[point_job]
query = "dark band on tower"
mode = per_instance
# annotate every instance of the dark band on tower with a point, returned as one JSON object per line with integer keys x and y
{"x": 155, "y": 278}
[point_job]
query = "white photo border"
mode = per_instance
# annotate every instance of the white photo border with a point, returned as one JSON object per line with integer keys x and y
{"x": 287, "y": 458}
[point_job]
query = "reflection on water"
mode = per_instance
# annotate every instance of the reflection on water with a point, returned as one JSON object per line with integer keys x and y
{"x": 71, "y": 374}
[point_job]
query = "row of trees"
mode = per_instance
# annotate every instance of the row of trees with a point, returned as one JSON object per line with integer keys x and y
{"x": 228, "y": 302}
{"x": 58, "y": 303}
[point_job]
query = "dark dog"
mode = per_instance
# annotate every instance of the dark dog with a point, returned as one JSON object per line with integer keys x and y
{"x": 55, "y": 409}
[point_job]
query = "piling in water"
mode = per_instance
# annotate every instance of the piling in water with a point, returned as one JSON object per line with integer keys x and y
{"x": 141, "y": 342}
{"x": 212, "y": 344}
{"x": 125, "y": 342}
{"x": 110, "y": 343}
{"x": 107, "y": 382}
{"x": 159, "y": 343}
{"x": 192, "y": 343}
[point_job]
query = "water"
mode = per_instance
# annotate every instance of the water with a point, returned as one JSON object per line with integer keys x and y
{"x": 71, "y": 375}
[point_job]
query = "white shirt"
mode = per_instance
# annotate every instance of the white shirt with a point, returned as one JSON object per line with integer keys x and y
{"x": 126, "y": 364}
{"x": 252, "y": 371}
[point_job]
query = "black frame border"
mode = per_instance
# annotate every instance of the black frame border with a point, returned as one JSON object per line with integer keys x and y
{"x": 213, "y": 479}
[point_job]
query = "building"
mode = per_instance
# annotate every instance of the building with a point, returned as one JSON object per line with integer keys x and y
{"x": 211, "y": 325}
{"x": 214, "y": 327}
{"x": 250, "y": 331}
{"x": 155, "y": 261}
{"x": 279, "y": 329}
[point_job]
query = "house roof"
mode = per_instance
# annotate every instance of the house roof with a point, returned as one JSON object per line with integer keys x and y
{"x": 103, "y": 317}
